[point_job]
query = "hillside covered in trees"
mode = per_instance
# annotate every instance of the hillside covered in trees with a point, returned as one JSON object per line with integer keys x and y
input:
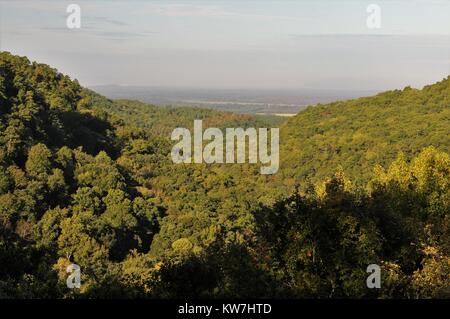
{"x": 361, "y": 133}
{"x": 87, "y": 180}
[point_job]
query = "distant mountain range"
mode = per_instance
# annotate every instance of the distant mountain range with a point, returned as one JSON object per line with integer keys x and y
{"x": 267, "y": 101}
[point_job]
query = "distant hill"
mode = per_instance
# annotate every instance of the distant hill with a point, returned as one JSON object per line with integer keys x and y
{"x": 267, "y": 101}
{"x": 357, "y": 134}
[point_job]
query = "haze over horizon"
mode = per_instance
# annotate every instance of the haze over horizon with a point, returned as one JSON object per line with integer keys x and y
{"x": 235, "y": 44}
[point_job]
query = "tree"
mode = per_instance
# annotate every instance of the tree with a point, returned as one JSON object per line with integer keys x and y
{"x": 38, "y": 164}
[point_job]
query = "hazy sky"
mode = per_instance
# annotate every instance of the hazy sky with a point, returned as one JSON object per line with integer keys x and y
{"x": 235, "y": 44}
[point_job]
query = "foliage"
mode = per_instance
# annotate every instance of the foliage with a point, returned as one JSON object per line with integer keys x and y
{"x": 87, "y": 180}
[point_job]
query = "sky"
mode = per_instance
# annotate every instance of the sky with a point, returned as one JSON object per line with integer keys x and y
{"x": 245, "y": 44}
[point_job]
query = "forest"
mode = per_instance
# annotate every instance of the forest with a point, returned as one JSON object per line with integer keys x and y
{"x": 88, "y": 180}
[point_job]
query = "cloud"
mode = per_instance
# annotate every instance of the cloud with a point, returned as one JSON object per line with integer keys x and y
{"x": 118, "y": 35}
{"x": 107, "y": 20}
{"x": 183, "y": 10}
{"x": 122, "y": 35}
{"x": 343, "y": 35}
{"x": 209, "y": 11}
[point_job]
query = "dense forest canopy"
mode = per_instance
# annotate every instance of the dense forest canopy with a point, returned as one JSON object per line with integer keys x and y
{"x": 87, "y": 180}
{"x": 361, "y": 133}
